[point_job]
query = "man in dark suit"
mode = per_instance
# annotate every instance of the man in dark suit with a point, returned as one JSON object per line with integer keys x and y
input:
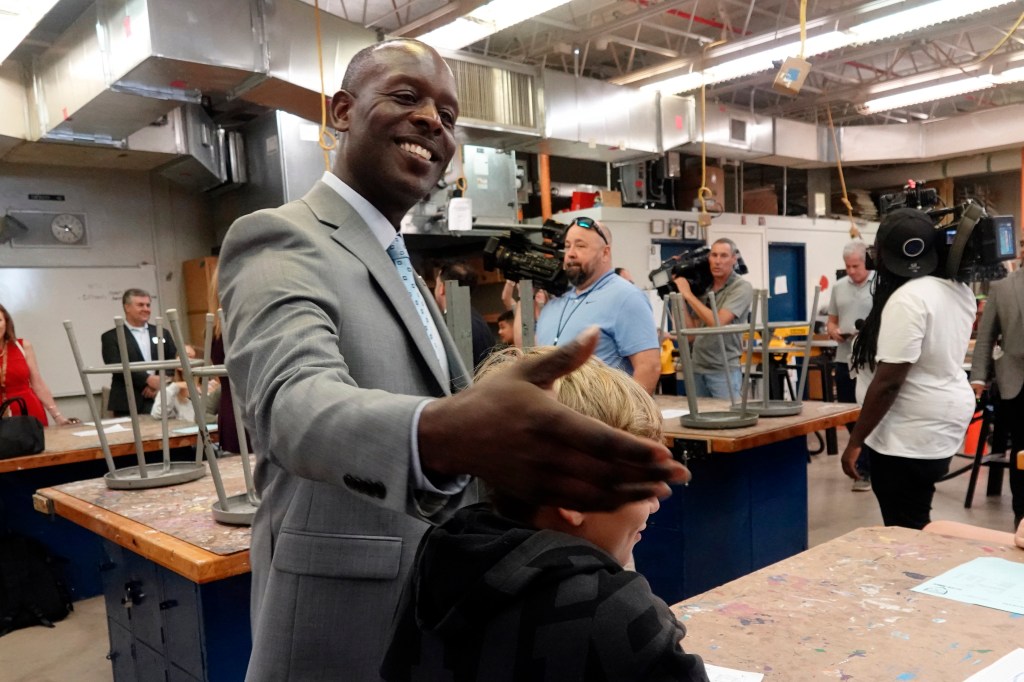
{"x": 346, "y": 371}
{"x": 141, "y": 339}
{"x": 999, "y": 351}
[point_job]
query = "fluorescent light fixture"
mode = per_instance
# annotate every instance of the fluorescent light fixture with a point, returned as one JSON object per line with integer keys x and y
{"x": 485, "y": 20}
{"x": 919, "y": 17}
{"x": 927, "y": 94}
{"x": 17, "y": 19}
{"x": 961, "y": 86}
{"x": 869, "y": 31}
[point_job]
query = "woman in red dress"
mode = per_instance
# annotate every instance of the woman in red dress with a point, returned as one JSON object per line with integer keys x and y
{"x": 20, "y": 377}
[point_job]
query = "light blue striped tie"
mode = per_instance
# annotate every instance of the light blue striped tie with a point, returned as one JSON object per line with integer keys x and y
{"x": 400, "y": 255}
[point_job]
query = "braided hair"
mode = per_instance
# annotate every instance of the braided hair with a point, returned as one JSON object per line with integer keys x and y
{"x": 865, "y": 345}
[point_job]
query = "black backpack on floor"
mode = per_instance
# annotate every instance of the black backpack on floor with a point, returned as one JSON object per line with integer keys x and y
{"x": 31, "y": 589}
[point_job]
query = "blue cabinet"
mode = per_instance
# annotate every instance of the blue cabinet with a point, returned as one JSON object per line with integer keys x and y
{"x": 165, "y": 627}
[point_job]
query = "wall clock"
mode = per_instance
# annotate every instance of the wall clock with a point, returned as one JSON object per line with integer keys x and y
{"x": 67, "y": 228}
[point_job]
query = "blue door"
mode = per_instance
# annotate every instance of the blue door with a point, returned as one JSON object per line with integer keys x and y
{"x": 787, "y": 299}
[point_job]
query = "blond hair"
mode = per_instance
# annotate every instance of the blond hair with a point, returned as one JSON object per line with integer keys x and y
{"x": 594, "y": 390}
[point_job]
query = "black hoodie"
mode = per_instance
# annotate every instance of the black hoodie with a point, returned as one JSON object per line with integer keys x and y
{"x": 491, "y": 599}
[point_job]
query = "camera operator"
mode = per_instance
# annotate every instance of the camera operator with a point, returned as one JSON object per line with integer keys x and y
{"x": 598, "y": 296}
{"x": 733, "y": 297}
{"x": 909, "y": 357}
{"x": 850, "y": 304}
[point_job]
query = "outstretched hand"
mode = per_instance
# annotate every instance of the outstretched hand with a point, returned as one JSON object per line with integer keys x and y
{"x": 511, "y": 432}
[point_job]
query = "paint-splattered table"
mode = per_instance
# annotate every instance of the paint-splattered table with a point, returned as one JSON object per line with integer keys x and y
{"x": 844, "y": 611}
{"x": 747, "y": 503}
{"x": 176, "y": 582}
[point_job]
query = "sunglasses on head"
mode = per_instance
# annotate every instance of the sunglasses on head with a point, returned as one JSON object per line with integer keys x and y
{"x": 590, "y": 224}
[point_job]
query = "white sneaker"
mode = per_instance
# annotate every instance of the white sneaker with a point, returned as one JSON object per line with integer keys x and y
{"x": 862, "y": 485}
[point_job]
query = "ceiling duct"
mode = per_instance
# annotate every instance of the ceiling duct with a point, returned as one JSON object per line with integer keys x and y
{"x": 595, "y": 120}
{"x": 126, "y": 63}
{"x": 498, "y": 103}
{"x": 733, "y": 133}
{"x": 289, "y": 75}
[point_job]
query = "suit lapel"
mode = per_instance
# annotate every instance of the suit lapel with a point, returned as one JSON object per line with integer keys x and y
{"x": 354, "y": 235}
{"x": 1017, "y": 279}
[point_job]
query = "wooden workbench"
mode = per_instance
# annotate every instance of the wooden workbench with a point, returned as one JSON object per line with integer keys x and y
{"x": 63, "y": 447}
{"x": 170, "y": 526}
{"x": 815, "y": 416}
{"x": 844, "y": 611}
{"x": 746, "y": 505}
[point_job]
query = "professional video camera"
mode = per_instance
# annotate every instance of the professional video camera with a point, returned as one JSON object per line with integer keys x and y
{"x": 518, "y": 257}
{"x": 693, "y": 267}
{"x": 972, "y": 246}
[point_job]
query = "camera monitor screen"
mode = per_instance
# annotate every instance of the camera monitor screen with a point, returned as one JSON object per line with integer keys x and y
{"x": 1004, "y": 237}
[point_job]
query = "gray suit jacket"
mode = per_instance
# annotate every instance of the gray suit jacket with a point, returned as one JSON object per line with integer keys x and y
{"x": 330, "y": 360}
{"x": 1002, "y": 322}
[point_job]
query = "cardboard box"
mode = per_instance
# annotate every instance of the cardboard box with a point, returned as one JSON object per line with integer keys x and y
{"x": 762, "y": 200}
{"x": 198, "y": 275}
{"x": 197, "y": 330}
{"x": 610, "y": 198}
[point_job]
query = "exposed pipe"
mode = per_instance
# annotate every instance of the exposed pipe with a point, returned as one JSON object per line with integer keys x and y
{"x": 544, "y": 173}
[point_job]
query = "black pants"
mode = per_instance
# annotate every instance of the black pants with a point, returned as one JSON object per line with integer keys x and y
{"x": 1013, "y": 409}
{"x": 846, "y": 392}
{"x": 904, "y": 487}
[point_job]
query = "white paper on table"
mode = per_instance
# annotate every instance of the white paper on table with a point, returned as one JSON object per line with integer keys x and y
{"x": 114, "y": 428}
{"x": 112, "y": 420}
{"x": 717, "y": 673}
{"x": 192, "y": 430}
{"x": 781, "y": 285}
{"x": 985, "y": 581}
{"x": 674, "y": 413}
{"x": 1009, "y": 667}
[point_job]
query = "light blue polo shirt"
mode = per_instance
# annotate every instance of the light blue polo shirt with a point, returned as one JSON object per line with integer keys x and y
{"x": 620, "y": 309}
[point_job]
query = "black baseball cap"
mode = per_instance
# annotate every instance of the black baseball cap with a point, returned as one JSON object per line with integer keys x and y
{"x": 906, "y": 240}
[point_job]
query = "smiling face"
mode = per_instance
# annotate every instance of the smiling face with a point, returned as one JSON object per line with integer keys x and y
{"x": 398, "y": 124}
{"x": 587, "y": 257}
{"x": 618, "y": 531}
{"x": 137, "y": 310}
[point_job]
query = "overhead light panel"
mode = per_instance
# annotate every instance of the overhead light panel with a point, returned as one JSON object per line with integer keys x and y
{"x": 916, "y": 18}
{"x": 954, "y": 88}
{"x": 485, "y": 20}
{"x": 905, "y": 21}
{"x": 17, "y": 19}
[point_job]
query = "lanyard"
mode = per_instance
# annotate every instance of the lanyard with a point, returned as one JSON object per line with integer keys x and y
{"x": 579, "y": 301}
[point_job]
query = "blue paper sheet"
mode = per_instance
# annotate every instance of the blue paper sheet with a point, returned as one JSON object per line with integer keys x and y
{"x": 985, "y": 581}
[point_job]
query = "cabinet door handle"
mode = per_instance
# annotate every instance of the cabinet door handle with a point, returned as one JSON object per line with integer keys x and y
{"x": 133, "y": 594}
{"x": 169, "y": 604}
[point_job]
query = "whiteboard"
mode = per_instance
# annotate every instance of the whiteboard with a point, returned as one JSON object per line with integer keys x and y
{"x": 40, "y": 299}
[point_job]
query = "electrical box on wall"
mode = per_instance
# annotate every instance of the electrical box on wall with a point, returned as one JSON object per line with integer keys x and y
{"x": 633, "y": 182}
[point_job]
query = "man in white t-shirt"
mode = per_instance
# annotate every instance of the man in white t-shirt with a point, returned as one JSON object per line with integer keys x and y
{"x": 850, "y": 304}
{"x": 909, "y": 355}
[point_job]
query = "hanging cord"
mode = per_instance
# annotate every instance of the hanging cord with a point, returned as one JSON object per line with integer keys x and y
{"x": 328, "y": 142}
{"x": 803, "y": 27}
{"x": 1002, "y": 42}
{"x": 704, "y": 193}
{"x": 854, "y": 231}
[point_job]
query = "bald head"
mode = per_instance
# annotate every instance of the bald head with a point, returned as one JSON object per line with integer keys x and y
{"x": 396, "y": 113}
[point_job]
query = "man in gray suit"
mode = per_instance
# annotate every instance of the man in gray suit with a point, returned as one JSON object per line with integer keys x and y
{"x": 337, "y": 359}
{"x": 1000, "y": 344}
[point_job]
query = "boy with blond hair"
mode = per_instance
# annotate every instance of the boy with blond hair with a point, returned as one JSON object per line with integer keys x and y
{"x": 515, "y": 591}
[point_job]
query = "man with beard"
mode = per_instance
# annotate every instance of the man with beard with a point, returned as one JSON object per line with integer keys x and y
{"x": 733, "y": 297}
{"x": 347, "y": 373}
{"x": 629, "y": 336}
